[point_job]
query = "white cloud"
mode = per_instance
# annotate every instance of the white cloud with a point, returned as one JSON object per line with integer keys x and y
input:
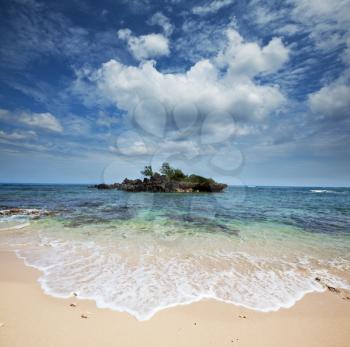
{"x": 328, "y": 22}
{"x": 45, "y": 121}
{"x": 326, "y": 27}
{"x": 248, "y": 58}
{"x": 145, "y": 46}
{"x": 163, "y": 21}
{"x": 331, "y": 101}
{"x": 17, "y": 135}
{"x": 130, "y": 143}
{"x": 288, "y": 29}
{"x": 331, "y": 30}
{"x": 325, "y": 22}
{"x": 222, "y": 86}
{"x": 211, "y": 7}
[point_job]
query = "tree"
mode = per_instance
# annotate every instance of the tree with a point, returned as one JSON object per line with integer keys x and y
{"x": 171, "y": 173}
{"x": 148, "y": 172}
{"x": 166, "y": 169}
{"x": 178, "y": 175}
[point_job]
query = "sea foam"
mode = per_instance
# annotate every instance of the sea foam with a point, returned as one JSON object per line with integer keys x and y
{"x": 144, "y": 276}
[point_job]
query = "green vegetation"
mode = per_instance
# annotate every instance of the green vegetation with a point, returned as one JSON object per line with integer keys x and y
{"x": 198, "y": 179}
{"x": 174, "y": 174}
{"x": 166, "y": 169}
{"x": 148, "y": 172}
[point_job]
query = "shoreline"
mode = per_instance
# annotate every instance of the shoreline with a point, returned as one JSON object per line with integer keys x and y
{"x": 29, "y": 317}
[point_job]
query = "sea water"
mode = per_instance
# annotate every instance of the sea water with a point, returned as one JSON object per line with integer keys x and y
{"x": 258, "y": 247}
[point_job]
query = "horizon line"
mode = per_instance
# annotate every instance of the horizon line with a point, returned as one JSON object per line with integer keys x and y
{"x": 229, "y": 185}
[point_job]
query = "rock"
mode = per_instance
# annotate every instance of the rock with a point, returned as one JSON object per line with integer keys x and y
{"x": 174, "y": 182}
{"x": 73, "y": 304}
{"x": 161, "y": 184}
{"x": 107, "y": 186}
{"x": 84, "y": 316}
{"x": 333, "y": 290}
{"x": 32, "y": 212}
{"x": 317, "y": 279}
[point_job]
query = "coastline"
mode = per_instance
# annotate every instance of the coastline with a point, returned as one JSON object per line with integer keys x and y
{"x": 28, "y": 317}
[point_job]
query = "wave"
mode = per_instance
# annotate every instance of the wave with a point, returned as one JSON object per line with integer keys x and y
{"x": 16, "y": 226}
{"x": 324, "y": 191}
{"x": 19, "y": 218}
{"x": 143, "y": 277}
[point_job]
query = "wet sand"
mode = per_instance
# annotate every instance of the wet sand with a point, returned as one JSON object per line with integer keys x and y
{"x": 29, "y": 318}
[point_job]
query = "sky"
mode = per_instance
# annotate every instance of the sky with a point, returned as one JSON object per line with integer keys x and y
{"x": 247, "y": 92}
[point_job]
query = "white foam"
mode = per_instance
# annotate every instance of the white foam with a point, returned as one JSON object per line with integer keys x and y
{"x": 142, "y": 278}
{"x": 19, "y": 226}
{"x": 323, "y": 191}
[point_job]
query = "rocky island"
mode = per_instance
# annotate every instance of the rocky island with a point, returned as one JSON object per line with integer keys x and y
{"x": 169, "y": 180}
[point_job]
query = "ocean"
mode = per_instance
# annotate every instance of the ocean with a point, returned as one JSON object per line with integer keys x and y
{"x": 257, "y": 247}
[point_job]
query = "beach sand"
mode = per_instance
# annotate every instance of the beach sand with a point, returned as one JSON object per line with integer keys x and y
{"x": 28, "y": 318}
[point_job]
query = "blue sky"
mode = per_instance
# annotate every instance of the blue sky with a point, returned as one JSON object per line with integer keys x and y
{"x": 248, "y": 92}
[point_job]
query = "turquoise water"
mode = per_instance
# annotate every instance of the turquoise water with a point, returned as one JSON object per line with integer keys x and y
{"x": 258, "y": 247}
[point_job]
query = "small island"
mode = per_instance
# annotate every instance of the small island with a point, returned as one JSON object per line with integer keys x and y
{"x": 169, "y": 180}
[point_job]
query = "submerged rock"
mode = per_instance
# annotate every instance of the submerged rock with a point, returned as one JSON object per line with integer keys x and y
{"x": 26, "y": 212}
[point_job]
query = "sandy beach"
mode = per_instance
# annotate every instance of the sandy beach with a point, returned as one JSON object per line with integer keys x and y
{"x": 28, "y": 317}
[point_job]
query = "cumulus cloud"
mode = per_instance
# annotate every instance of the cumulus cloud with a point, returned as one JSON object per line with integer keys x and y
{"x": 211, "y": 7}
{"x": 331, "y": 101}
{"x": 45, "y": 121}
{"x": 326, "y": 26}
{"x": 163, "y": 21}
{"x": 222, "y": 90}
{"x": 248, "y": 58}
{"x": 145, "y": 46}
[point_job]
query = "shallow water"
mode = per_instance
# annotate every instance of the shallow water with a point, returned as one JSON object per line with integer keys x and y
{"x": 141, "y": 252}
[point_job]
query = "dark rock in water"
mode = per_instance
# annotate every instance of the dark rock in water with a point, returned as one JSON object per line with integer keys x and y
{"x": 332, "y": 289}
{"x": 107, "y": 186}
{"x": 33, "y": 212}
{"x": 90, "y": 204}
{"x": 206, "y": 224}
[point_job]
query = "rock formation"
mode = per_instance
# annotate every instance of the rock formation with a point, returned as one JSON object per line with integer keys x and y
{"x": 161, "y": 183}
